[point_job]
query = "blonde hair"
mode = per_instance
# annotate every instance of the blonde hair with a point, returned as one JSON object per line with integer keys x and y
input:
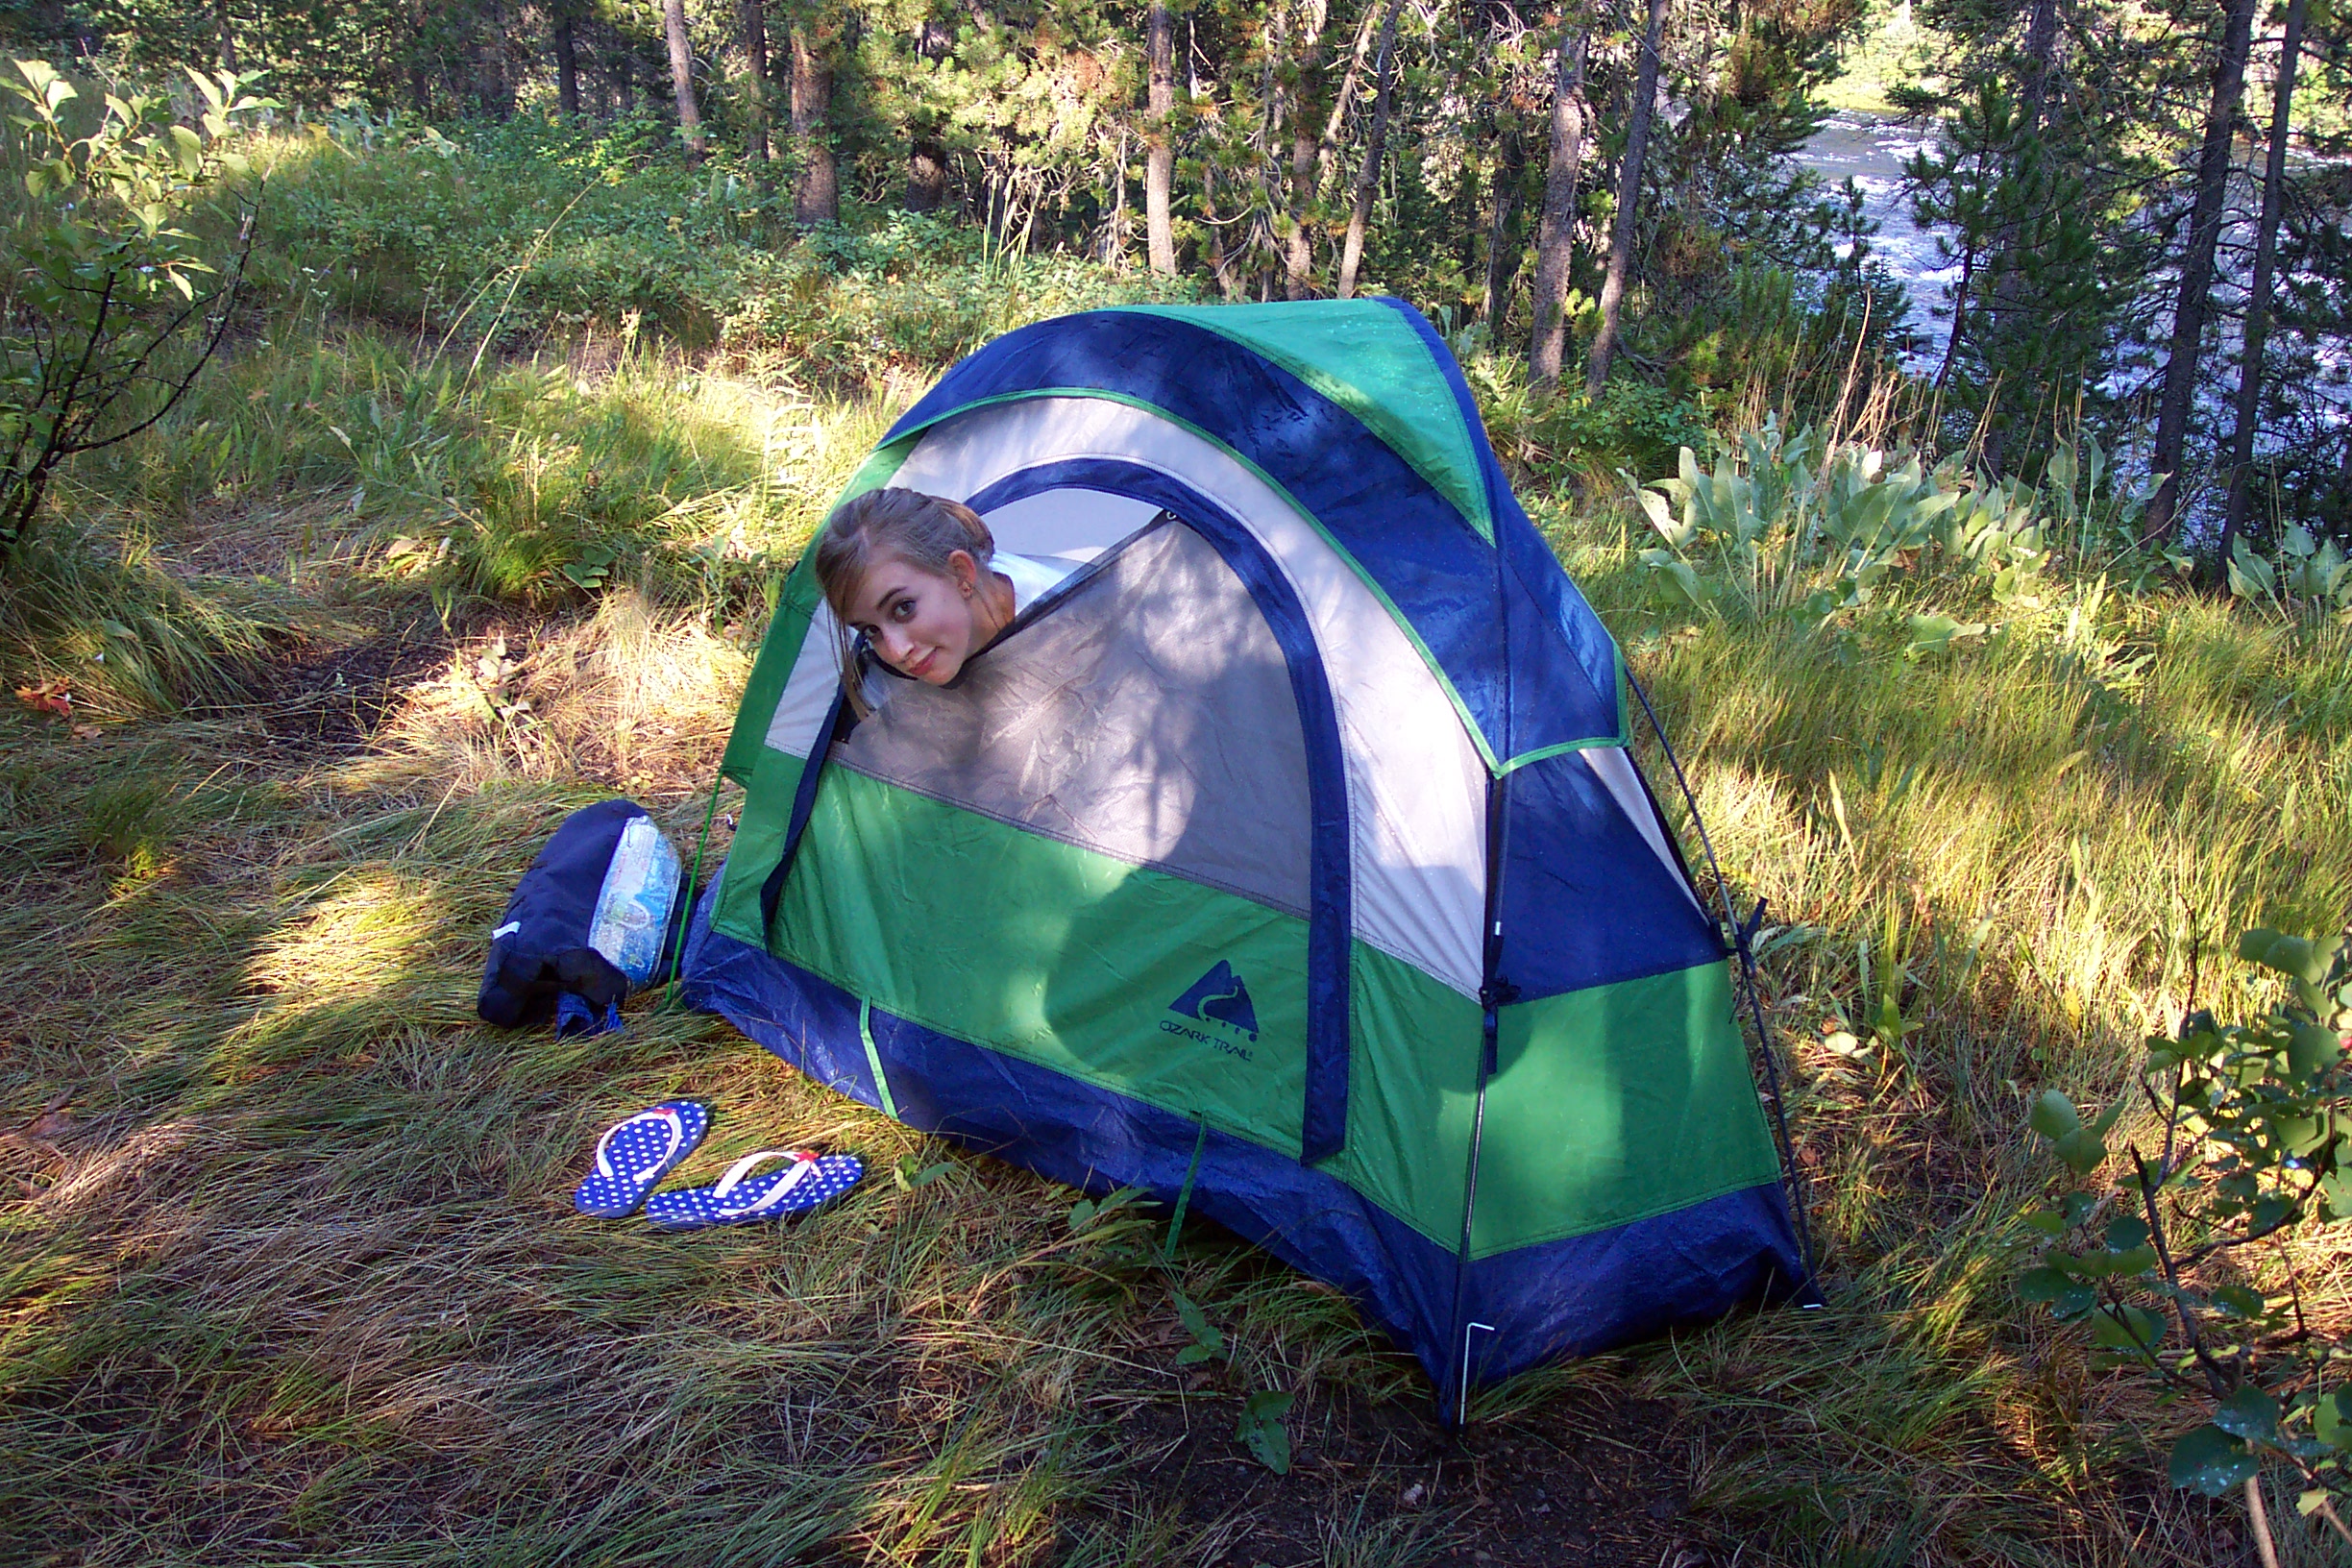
{"x": 922, "y": 530}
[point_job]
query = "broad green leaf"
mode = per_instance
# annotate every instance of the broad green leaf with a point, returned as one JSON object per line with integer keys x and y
{"x": 2127, "y": 1327}
{"x": 2238, "y": 1301}
{"x": 2053, "y": 1116}
{"x": 2066, "y": 1297}
{"x": 2211, "y": 1461}
{"x": 2331, "y": 1419}
{"x": 2291, "y": 956}
{"x": 2082, "y": 1150}
{"x": 2311, "y": 1046}
{"x": 1936, "y": 633}
{"x": 2335, "y": 1194}
{"x": 1262, "y": 1431}
{"x": 2271, "y": 1212}
{"x": 2249, "y": 1413}
{"x": 1206, "y": 1338}
{"x": 2126, "y": 1232}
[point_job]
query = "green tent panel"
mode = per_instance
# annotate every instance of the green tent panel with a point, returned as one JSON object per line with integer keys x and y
{"x": 1289, "y": 859}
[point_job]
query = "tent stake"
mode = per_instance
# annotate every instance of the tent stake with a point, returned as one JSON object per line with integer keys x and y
{"x": 1459, "y": 1403}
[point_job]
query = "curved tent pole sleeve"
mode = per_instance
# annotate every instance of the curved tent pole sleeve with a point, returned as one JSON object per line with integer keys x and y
{"x": 804, "y": 801}
{"x": 1331, "y": 921}
{"x": 1742, "y": 935}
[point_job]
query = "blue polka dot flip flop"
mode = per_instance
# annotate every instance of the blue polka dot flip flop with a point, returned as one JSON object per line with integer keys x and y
{"x": 636, "y": 1153}
{"x": 741, "y": 1199}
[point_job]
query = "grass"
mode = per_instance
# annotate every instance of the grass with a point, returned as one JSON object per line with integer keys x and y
{"x": 287, "y": 1269}
{"x": 1891, "y": 49}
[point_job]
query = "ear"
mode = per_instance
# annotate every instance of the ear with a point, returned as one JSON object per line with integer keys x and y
{"x": 965, "y": 570}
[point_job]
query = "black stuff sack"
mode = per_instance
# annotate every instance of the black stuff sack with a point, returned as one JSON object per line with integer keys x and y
{"x": 597, "y": 917}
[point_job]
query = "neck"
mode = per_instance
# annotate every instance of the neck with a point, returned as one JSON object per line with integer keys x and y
{"x": 995, "y": 601}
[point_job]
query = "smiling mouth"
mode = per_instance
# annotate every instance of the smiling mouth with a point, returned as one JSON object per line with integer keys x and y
{"x": 922, "y": 667}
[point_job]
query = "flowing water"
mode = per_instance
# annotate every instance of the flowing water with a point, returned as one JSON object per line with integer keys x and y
{"x": 1872, "y": 153}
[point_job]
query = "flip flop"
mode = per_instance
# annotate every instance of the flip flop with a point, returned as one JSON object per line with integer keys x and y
{"x": 637, "y": 1151}
{"x": 741, "y": 1199}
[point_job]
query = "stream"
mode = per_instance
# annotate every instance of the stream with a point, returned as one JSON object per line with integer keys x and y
{"x": 1872, "y": 153}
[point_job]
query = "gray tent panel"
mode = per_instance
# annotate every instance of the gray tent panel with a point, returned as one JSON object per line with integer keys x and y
{"x": 1145, "y": 713}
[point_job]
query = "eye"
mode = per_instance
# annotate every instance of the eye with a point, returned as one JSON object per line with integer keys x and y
{"x": 902, "y": 611}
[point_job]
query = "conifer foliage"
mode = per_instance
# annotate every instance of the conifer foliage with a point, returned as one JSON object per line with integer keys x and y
{"x": 2142, "y": 204}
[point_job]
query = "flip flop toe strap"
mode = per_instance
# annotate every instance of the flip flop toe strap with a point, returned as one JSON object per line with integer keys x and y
{"x": 670, "y": 1119}
{"x": 769, "y": 1200}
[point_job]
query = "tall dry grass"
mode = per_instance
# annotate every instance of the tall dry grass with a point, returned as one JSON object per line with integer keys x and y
{"x": 289, "y": 1269}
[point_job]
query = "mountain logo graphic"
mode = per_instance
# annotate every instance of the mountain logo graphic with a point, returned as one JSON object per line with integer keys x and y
{"x": 1219, "y": 997}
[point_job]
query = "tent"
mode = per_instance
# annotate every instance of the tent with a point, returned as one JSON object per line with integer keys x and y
{"x": 1288, "y": 861}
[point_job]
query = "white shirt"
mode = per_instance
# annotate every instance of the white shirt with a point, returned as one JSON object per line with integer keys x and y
{"x": 1033, "y": 576}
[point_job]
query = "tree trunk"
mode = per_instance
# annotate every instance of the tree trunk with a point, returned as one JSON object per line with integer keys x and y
{"x": 2258, "y": 296}
{"x": 1160, "y": 150}
{"x": 926, "y": 175}
{"x": 624, "y": 72}
{"x": 1298, "y": 260}
{"x": 1556, "y": 230}
{"x": 1298, "y": 246}
{"x": 2179, "y": 391}
{"x": 1368, "y": 178}
{"x": 1220, "y": 259}
{"x": 1960, "y": 296}
{"x": 1503, "y": 240}
{"x": 926, "y": 152}
{"x": 1629, "y": 199}
{"x": 493, "y": 85}
{"x": 566, "y": 66}
{"x": 1113, "y": 247}
{"x": 2033, "y": 100}
{"x": 228, "y": 36}
{"x": 681, "y": 75}
{"x": 754, "y": 23}
{"x": 816, "y": 194}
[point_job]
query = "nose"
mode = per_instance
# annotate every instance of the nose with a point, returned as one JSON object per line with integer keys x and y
{"x": 898, "y": 648}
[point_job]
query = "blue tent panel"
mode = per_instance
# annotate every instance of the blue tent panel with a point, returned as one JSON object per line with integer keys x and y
{"x": 1575, "y": 1296}
{"x": 1410, "y": 542}
{"x": 1585, "y": 900}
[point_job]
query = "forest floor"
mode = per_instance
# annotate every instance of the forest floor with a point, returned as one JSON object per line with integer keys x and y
{"x": 288, "y": 1270}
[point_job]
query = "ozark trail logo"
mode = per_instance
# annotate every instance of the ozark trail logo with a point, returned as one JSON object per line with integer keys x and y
{"x": 1221, "y": 1000}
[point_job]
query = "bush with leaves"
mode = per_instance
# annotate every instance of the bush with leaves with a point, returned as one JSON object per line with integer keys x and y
{"x": 2181, "y": 1265}
{"x": 2305, "y": 576}
{"x": 110, "y": 308}
{"x": 1788, "y": 523}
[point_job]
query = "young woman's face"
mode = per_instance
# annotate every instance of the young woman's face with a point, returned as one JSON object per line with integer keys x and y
{"x": 920, "y": 622}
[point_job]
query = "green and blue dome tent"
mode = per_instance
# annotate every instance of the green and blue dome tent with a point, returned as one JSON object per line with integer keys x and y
{"x": 1288, "y": 861}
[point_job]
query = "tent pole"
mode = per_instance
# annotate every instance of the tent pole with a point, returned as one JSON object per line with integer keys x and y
{"x": 1493, "y": 990}
{"x": 693, "y": 888}
{"x": 1741, "y": 944}
{"x": 1493, "y": 995}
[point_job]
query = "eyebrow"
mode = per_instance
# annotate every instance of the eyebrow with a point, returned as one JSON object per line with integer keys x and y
{"x": 886, "y": 598}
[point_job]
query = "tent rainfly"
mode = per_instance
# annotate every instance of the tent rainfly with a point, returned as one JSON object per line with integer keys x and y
{"x": 1288, "y": 861}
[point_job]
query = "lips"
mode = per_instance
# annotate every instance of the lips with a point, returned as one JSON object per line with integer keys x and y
{"x": 921, "y": 669}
